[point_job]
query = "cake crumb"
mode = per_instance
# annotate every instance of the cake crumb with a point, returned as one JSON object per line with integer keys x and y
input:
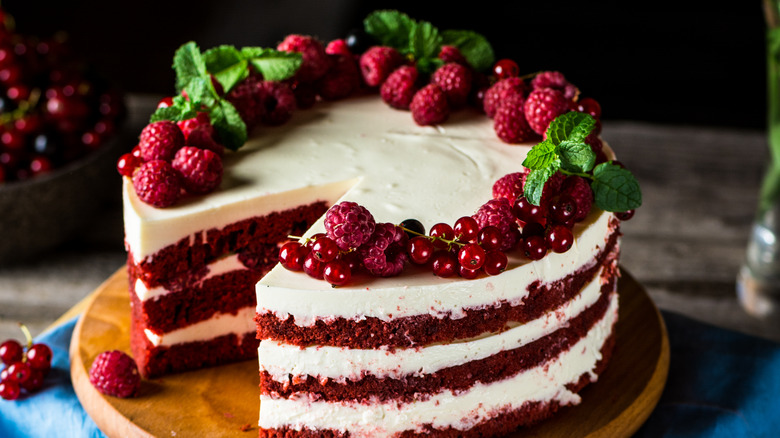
{"x": 246, "y": 427}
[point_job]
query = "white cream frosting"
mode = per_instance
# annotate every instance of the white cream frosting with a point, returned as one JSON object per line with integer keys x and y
{"x": 221, "y": 324}
{"x": 284, "y": 360}
{"x": 544, "y": 383}
{"x": 218, "y": 267}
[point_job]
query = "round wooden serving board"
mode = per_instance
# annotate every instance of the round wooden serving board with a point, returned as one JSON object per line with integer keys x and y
{"x": 224, "y": 401}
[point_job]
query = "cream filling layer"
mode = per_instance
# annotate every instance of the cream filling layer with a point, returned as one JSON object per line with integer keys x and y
{"x": 417, "y": 292}
{"x": 544, "y": 383}
{"x": 282, "y": 360}
{"x": 218, "y": 267}
{"x": 220, "y": 324}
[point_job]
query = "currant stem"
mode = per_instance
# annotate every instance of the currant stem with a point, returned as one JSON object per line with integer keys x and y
{"x": 27, "y": 335}
{"x": 433, "y": 238}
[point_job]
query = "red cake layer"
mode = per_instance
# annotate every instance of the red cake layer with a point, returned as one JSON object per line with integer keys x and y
{"x": 504, "y": 423}
{"x": 372, "y": 332}
{"x": 192, "y": 253}
{"x": 458, "y": 378}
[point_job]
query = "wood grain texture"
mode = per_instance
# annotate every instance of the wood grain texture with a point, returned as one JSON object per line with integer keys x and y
{"x": 224, "y": 401}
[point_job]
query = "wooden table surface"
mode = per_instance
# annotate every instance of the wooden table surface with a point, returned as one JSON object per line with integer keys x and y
{"x": 684, "y": 245}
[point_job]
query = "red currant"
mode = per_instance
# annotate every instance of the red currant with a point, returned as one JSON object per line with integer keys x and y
{"x": 127, "y": 163}
{"x": 337, "y": 272}
{"x": 443, "y": 232}
{"x": 325, "y": 249}
{"x": 466, "y": 229}
{"x": 562, "y": 209}
{"x": 165, "y": 102}
{"x": 444, "y": 264}
{"x": 495, "y": 262}
{"x": 34, "y": 382}
{"x": 11, "y": 351}
{"x": 468, "y": 274}
{"x": 490, "y": 238}
{"x": 471, "y": 256}
{"x": 625, "y": 215}
{"x": 533, "y": 229}
{"x": 291, "y": 256}
{"x": 19, "y": 372}
{"x": 313, "y": 267}
{"x": 587, "y": 105}
{"x": 9, "y": 389}
{"x": 559, "y": 238}
{"x": 352, "y": 259}
{"x": 527, "y": 212}
{"x": 420, "y": 250}
{"x": 39, "y": 357}
{"x": 534, "y": 247}
{"x": 506, "y": 68}
{"x": 40, "y": 165}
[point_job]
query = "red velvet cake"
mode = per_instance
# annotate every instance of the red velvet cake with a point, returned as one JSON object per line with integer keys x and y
{"x": 443, "y": 272}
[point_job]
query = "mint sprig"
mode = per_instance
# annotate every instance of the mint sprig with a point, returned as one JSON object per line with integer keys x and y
{"x": 564, "y": 150}
{"x": 228, "y": 66}
{"x": 422, "y": 42}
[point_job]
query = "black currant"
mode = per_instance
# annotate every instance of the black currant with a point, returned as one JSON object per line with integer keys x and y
{"x": 414, "y": 226}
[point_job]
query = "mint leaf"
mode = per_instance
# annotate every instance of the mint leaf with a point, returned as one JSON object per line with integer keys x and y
{"x": 534, "y": 183}
{"x": 182, "y": 109}
{"x": 573, "y": 126}
{"x": 188, "y": 65}
{"x": 615, "y": 188}
{"x": 200, "y": 91}
{"x": 274, "y": 65}
{"x": 541, "y": 156}
{"x": 576, "y": 157}
{"x": 227, "y": 65}
{"x": 473, "y": 46}
{"x": 424, "y": 41}
{"x": 390, "y": 28}
{"x": 229, "y": 127}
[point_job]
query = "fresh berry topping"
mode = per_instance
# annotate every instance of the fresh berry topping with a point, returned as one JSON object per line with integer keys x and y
{"x": 533, "y": 229}
{"x": 165, "y": 102}
{"x": 349, "y": 224}
{"x": 490, "y": 238}
{"x": 506, "y": 68}
{"x": 527, "y": 212}
{"x": 578, "y": 189}
{"x": 498, "y": 213}
{"x": 338, "y": 47}
{"x": 534, "y": 247}
{"x": 115, "y": 373}
{"x": 510, "y": 122}
{"x": 444, "y": 264}
{"x": 341, "y": 80}
{"x": 509, "y": 186}
{"x": 501, "y": 91}
{"x": 378, "y": 62}
{"x": 160, "y": 140}
{"x": 443, "y": 233}
{"x": 542, "y": 106}
{"x": 429, "y": 106}
{"x": 291, "y": 255}
{"x": 562, "y": 209}
{"x": 325, "y": 249}
{"x": 495, "y": 262}
{"x": 39, "y": 357}
{"x": 554, "y": 80}
{"x": 384, "y": 254}
{"x": 276, "y": 103}
{"x": 468, "y": 274}
{"x": 559, "y": 238}
{"x": 313, "y": 267}
{"x": 455, "y": 80}
{"x": 358, "y": 40}
{"x": 157, "y": 183}
{"x": 466, "y": 229}
{"x": 244, "y": 97}
{"x": 11, "y": 351}
{"x": 625, "y": 215}
{"x": 200, "y": 169}
{"x": 304, "y": 92}
{"x": 471, "y": 256}
{"x": 199, "y": 132}
{"x": 587, "y": 105}
{"x": 315, "y": 60}
{"x": 400, "y": 87}
{"x": 337, "y": 272}
{"x": 450, "y": 53}
{"x": 420, "y": 250}
{"x": 414, "y": 227}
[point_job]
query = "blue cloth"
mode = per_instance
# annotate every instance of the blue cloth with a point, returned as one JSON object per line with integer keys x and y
{"x": 721, "y": 384}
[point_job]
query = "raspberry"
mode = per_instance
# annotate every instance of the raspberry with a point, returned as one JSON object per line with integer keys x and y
{"x": 578, "y": 189}
{"x": 157, "y": 183}
{"x": 244, "y": 97}
{"x": 429, "y": 106}
{"x": 378, "y": 62}
{"x": 384, "y": 254}
{"x": 349, "y": 224}
{"x": 554, "y": 80}
{"x": 551, "y": 187}
{"x": 501, "y": 91}
{"x": 510, "y": 122}
{"x": 594, "y": 141}
{"x": 115, "y": 373}
{"x": 305, "y": 93}
{"x": 510, "y": 186}
{"x": 276, "y": 102}
{"x": 498, "y": 213}
{"x": 452, "y": 54}
{"x": 201, "y": 169}
{"x": 160, "y": 140}
{"x": 542, "y": 106}
{"x": 338, "y": 47}
{"x": 341, "y": 80}
{"x": 315, "y": 61}
{"x": 455, "y": 80}
{"x": 199, "y": 132}
{"x": 399, "y": 88}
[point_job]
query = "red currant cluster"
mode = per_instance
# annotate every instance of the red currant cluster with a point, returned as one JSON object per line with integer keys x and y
{"x": 320, "y": 257}
{"x": 25, "y": 368}
{"x": 53, "y": 108}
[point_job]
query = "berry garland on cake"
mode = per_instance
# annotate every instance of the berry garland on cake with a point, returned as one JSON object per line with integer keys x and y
{"x": 225, "y": 92}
